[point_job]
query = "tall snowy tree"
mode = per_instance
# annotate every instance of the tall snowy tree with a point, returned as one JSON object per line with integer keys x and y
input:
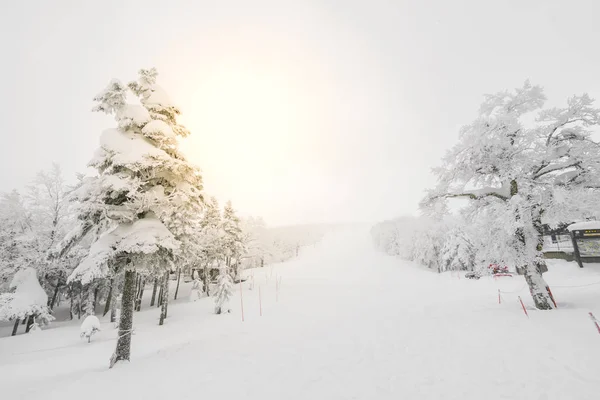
{"x": 134, "y": 209}
{"x": 211, "y": 241}
{"x": 526, "y": 174}
{"x": 233, "y": 240}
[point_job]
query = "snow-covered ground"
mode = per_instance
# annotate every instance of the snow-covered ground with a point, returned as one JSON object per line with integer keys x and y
{"x": 349, "y": 323}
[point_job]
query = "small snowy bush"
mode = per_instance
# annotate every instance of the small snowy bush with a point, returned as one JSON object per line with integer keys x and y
{"x": 90, "y": 325}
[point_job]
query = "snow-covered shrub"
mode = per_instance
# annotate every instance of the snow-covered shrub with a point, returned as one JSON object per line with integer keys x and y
{"x": 224, "y": 291}
{"x": 26, "y": 299}
{"x": 89, "y": 326}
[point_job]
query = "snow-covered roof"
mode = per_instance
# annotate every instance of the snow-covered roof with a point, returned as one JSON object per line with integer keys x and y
{"x": 578, "y": 226}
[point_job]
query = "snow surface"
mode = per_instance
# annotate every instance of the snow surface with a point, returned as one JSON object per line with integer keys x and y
{"x": 348, "y": 322}
{"x": 584, "y": 225}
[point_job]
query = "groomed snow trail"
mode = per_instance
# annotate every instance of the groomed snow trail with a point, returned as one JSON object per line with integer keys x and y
{"x": 349, "y": 323}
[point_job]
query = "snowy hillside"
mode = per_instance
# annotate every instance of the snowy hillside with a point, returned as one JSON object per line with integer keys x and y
{"x": 347, "y": 322}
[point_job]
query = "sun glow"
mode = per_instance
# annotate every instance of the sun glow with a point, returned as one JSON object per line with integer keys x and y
{"x": 250, "y": 133}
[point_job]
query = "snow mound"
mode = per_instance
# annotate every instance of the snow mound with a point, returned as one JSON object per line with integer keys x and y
{"x": 89, "y": 326}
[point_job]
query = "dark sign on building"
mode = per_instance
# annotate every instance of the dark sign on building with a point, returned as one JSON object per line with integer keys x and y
{"x": 586, "y": 245}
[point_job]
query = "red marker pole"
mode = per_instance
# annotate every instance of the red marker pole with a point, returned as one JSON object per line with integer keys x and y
{"x": 551, "y": 296}
{"x": 259, "y": 301}
{"x": 523, "y": 305}
{"x": 242, "y": 301}
{"x": 595, "y": 321}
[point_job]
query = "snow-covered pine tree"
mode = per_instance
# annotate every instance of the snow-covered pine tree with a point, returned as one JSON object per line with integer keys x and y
{"x": 233, "y": 240}
{"x": 528, "y": 173}
{"x": 143, "y": 186}
{"x": 183, "y": 217}
{"x": 211, "y": 241}
{"x": 26, "y": 301}
{"x": 224, "y": 290}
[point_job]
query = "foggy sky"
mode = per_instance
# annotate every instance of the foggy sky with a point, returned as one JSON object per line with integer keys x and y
{"x": 372, "y": 92}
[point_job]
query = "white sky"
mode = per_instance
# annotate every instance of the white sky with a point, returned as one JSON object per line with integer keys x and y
{"x": 300, "y": 111}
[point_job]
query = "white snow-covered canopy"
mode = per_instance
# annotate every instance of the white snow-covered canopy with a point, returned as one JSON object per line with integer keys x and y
{"x": 144, "y": 236}
{"x": 578, "y": 226}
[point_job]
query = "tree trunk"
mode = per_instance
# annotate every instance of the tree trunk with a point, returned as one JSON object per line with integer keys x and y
{"x": 154, "y": 288}
{"x": 113, "y": 308}
{"x": 107, "y": 306}
{"x": 178, "y": 279}
{"x": 138, "y": 306}
{"x": 79, "y": 302}
{"x": 95, "y": 298}
{"x": 165, "y": 300}
{"x": 537, "y": 287}
{"x": 30, "y": 321}
{"x": 206, "y": 281}
{"x": 54, "y": 296}
{"x": 71, "y": 307}
{"x": 123, "y": 350}
{"x": 15, "y": 327}
{"x": 160, "y": 295}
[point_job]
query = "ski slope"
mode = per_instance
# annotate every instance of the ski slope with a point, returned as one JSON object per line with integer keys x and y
{"x": 348, "y": 323}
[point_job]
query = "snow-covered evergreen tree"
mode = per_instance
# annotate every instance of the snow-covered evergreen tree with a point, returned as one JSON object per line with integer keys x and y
{"x": 211, "y": 237}
{"x": 233, "y": 239}
{"x": 138, "y": 205}
{"x": 224, "y": 290}
{"x": 526, "y": 174}
{"x": 26, "y": 300}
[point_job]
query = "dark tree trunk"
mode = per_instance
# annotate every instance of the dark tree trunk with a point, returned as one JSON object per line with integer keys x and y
{"x": 54, "y": 296}
{"x": 165, "y": 300}
{"x": 96, "y": 298}
{"x": 123, "y": 350}
{"x": 178, "y": 279}
{"x": 30, "y": 321}
{"x": 79, "y": 302}
{"x": 107, "y": 306}
{"x": 140, "y": 295}
{"x": 15, "y": 327}
{"x": 160, "y": 295}
{"x": 206, "y": 281}
{"x": 71, "y": 295}
{"x": 154, "y": 288}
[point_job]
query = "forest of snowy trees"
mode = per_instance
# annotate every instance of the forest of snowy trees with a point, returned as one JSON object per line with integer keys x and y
{"x": 142, "y": 219}
{"x": 519, "y": 167}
